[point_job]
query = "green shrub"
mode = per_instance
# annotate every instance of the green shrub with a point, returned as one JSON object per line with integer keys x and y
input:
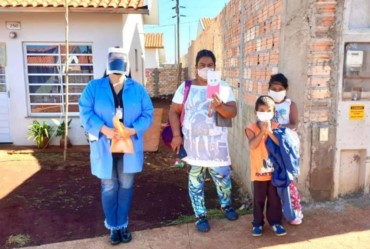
{"x": 61, "y": 127}
{"x": 40, "y": 133}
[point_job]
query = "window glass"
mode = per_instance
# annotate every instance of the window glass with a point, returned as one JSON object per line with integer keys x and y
{"x": 42, "y": 49}
{"x": 2, "y": 79}
{"x": 46, "y": 76}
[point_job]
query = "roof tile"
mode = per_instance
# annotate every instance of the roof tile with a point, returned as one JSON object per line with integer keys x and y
{"x": 125, "y": 4}
{"x": 206, "y": 22}
{"x": 153, "y": 40}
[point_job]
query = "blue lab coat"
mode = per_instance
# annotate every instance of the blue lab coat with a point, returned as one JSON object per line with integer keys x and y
{"x": 97, "y": 109}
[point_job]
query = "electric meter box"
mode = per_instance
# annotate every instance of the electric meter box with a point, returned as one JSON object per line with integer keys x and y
{"x": 354, "y": 59}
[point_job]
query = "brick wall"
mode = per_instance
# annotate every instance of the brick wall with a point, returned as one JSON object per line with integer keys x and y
{"x": 261, "y": 46}
{"x": 163, "y": 81}
{"x": 207, "y": 40}
{"x": 245, "y": 40}
{"x": 259, "y": 42}
{"x": 253, "y": 39}
{"x": 319, "y": 61}
{"x": 320, "y": 106}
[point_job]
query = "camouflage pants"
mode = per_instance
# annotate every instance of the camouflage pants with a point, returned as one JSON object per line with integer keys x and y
{"x": 222, "y": 180}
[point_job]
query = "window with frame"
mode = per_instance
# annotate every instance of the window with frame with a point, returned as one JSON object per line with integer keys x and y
{"x": 2, "y": 67}
{"x": 2, "y": 79}
{"x": 46, "y": 79}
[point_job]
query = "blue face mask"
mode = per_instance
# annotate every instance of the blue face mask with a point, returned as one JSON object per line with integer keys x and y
{"x": 117, "y": 66}
{"x": 117, "y": 62}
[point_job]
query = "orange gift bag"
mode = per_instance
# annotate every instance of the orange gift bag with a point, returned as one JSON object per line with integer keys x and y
{"x": 123, "y": 144}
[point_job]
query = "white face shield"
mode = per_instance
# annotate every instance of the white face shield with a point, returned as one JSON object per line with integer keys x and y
{"x": 117, "y": 61}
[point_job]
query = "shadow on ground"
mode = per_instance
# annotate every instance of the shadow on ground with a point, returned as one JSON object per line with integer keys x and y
{"x": 56, "y": 201}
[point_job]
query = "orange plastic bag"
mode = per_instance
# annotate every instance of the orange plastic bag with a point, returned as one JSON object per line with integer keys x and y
{"x": 121, "y": 145}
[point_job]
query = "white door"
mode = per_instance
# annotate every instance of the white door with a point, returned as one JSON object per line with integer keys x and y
{"x": 4, "y": 109}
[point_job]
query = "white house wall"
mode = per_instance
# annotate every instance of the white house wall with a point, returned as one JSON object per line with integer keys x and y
{"x": 162, "y": 56}
{"x": 133, "y": 38}
{"x": 153, "y": 17}
{"x": 102, "y": 30}
{"x": 151, "y": 58}
{"x": 352, "y": 165}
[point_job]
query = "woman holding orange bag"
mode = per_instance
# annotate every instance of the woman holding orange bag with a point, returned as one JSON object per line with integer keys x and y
{"x": 101, "y": 101}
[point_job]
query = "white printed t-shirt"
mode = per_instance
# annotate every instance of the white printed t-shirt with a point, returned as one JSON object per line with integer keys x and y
{"x": 205, "y": 143}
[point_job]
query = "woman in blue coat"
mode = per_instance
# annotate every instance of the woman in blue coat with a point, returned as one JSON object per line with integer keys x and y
{"x": 99, "y": 103}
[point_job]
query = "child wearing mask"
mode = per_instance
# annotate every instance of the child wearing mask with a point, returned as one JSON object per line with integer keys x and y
{"x": 286, "y": 114}
{"x": 262, "y": 169}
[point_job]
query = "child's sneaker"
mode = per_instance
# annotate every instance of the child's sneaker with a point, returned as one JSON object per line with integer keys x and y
{"x": 202, "y": 224}
{"x": 296, "y": 221}
{"x": 279, "y": 230}
{"x": 257, "y": 231}
{"x": 299, "y": 214}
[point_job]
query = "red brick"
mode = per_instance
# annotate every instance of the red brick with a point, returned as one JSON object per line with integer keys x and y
{"x": 274, "y": 58}
{"x": 319, "y": 116}
{"x": 318, "y": 81}
{"x": 250, "y": 99}
{"x": 328, "y": 7}
{"x": 265, "y": 89}
{"x": 321, "y": 31}
{"x": 320, "y": 93}
{"x": 278, "y": 6}
{"x": 325, "y": 20}
{"x": 321, "y": 45}
{"x": 319, "y": 70}
{"x": 320, "y": 55}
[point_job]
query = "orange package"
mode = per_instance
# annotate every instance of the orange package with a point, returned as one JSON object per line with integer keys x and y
{"x": 121, "y": 145}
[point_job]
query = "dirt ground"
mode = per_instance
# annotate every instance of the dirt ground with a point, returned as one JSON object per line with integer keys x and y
{"x": 339, "y": 224}
{"x": 59, "y": 201}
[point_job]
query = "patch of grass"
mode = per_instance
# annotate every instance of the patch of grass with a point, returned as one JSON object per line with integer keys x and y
{"x": 183, "y": 219}
{"x": 57, "y": 157}
{"x": 211, "y": 214}
{"x": 19, "y": 240}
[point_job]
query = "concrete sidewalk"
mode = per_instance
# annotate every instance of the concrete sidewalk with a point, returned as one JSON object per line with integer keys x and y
{"x": 332, "y": 225}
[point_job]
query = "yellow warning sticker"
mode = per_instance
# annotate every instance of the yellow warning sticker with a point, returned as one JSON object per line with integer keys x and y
{"x": 357, "y": 112}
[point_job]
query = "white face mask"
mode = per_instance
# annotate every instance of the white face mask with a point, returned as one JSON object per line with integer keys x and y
{"x": 264, "y": 116}
{"x": 203, "y": 72}
{"x": 277, "y": 96}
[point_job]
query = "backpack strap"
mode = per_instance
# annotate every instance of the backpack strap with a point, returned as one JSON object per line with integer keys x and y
{"x": 186, "y": 90}
{"x": 186, "y": 94}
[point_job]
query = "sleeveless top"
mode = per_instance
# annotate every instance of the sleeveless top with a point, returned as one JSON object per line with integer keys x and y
{"x": 282, "y": 112}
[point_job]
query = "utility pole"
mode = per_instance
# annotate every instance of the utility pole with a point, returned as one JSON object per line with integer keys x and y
{"x": 178, "y": 30}
{"x": 177, "y": 10}
{"x": 66, "y": 78}
{"x": 175, "y": 52}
